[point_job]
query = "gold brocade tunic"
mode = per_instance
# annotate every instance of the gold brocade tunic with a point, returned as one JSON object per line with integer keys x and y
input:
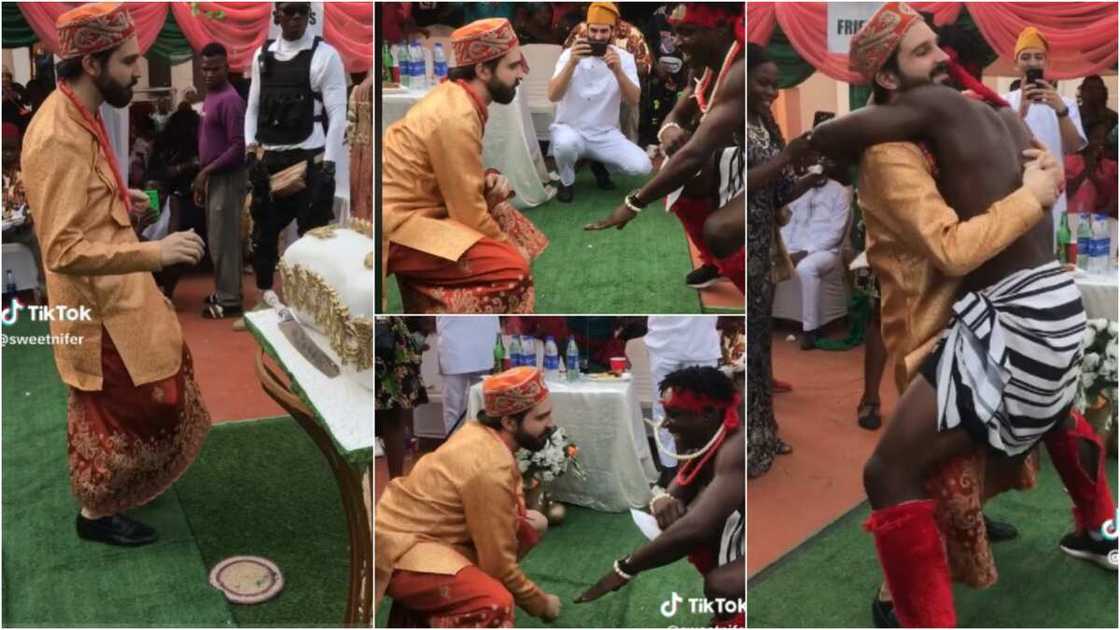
{"x": 920, "y": 250}
{"x": 432, "y": 178}
{"x": 458, "y": 506}
{"x": 91, "y": 253}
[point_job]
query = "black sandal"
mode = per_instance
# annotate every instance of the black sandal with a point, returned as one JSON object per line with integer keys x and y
{"x": 217, "y": 311}
{"x": 868, "y": 416}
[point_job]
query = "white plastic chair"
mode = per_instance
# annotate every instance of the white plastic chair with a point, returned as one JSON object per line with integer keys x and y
{"x": 542, "y": 60}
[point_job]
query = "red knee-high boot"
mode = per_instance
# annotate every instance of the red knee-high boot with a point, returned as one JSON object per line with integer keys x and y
{"x": 913, "y": 558}
{"x": 733, "y": 267}
{"x": 1092, "y": 499}
{"x": 692, "y": 212}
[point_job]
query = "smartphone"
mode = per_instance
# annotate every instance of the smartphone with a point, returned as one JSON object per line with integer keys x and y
{"x": 1034, "y": 75}
{"x": 598, "y": 49}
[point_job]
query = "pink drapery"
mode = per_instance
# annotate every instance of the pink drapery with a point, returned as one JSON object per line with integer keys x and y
{"x": 42, "y": 16}
{"x": 349, "y": 28}
{"x": 1082, "y": 34}
{"x": 242, "y": 27}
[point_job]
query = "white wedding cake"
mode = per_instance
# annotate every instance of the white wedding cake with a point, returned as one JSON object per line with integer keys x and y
{"x": 328, "y": 285}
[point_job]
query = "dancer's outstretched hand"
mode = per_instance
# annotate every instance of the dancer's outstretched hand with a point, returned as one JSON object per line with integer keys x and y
{"x": 610, "y": 582}
{"x": 619, "y": 218}
{"x": 667, "y": 511}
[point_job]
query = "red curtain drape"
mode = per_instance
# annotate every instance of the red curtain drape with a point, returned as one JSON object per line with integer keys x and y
{"x": 1082, "y": 34}
{"x": 348, "y": 26}
{"x": 42, "y": 16}
{"x": 240, "y": 26}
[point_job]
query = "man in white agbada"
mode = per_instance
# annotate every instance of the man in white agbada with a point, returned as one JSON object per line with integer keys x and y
{"x": 591, "y": 80}
{"x": 674, "y": 343}
{"x": 813, "y": 237}
{"x": 1054, "y": 119}
{"x": 465, "y": 347}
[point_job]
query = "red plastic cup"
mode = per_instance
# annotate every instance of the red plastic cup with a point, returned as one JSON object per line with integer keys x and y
{"x": 618, "y": 365}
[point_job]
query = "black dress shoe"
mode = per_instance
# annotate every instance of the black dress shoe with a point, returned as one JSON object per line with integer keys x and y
{"x": 602, "y": 177}
{"x": 809, "y": 340}
{"x": 115, "y": 530}
{"x": 566, "y": 194}
{"x": 999, "y": 531}
{"x": 882, "y": 614}
{"x": 702, "y": 277}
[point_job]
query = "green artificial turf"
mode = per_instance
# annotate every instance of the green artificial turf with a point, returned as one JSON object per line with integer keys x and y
{"x": 572, "y": 557}
{"x": 258, "y": 488}
{"x": 639, "y": 269}
{"x": 829, "y": 581}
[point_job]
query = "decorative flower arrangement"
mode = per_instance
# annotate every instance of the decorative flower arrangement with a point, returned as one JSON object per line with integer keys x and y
{"x": 1099, "y": 363}
{"x": 550, "y": 462}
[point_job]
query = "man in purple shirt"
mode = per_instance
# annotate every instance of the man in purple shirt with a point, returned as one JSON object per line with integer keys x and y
{"x": 221, "y": 183}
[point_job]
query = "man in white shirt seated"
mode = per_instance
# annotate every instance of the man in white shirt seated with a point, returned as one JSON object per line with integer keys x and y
{"x": 813, "y": 237}
{"x": 1054, "y": 119}
{"x": 591, "y": 80}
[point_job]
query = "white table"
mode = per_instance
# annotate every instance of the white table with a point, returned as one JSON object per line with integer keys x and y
{"x": 604, "y": 419}
{"x": 509, "y": 144}
{"x": 1099, "y": 295}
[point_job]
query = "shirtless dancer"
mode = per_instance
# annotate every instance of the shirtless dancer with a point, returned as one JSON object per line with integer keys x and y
{"x": 1004, "y": 372}
{"x": 701, "y": 515}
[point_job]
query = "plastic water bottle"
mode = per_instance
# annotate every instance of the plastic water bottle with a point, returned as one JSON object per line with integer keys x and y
{"x": 1103, "y": 242}
{"x": 439, "y": 60}
{"x": 1084, "y": 241}
{"x": 419, "y": 66}
{"x": 405, "y": 65}
{"x": 514, "y": 350}
{"x": 551, "y": 360}
{"x": 573, "y": 360}
{"x": 528, "y": 352}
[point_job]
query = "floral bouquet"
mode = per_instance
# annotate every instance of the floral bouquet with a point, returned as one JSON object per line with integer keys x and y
{"x": 1098, "y": 364}
{"x": 550, "y": 462}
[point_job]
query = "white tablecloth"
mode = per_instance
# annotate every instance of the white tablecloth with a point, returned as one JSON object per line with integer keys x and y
{"x": 1099, "y": 295}
{"x": 605, "y": 422}
{"x": 509, "y": 144}
{"x": 342, "y": 404}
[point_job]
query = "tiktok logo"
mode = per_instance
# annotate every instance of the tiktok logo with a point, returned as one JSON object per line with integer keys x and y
{"x": 10, "y": 315}
{"x": 669, "y": 608}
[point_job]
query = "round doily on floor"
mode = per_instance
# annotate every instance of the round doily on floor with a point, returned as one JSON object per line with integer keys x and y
{"x": 247, "y": 579}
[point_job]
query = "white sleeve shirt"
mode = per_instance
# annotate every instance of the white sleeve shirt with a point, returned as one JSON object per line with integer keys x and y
{"x": 686, "y": 339}
{"x": 1043, "y": 122}
{"x": 328, "y": 77}
{"x": 593, "y": 100}
{"x": 818, "y": 219}
{"x": 466, "y": 343}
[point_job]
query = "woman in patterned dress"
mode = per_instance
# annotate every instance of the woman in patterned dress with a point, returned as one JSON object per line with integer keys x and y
{"x": 770, "y": 185}
{"x": 398, "y": 386}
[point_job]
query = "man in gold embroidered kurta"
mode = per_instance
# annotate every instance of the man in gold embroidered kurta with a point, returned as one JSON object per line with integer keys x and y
{"x": 449, "y": 234}
{"x": 135, "y": 418}
{"x": 457, "y": 524}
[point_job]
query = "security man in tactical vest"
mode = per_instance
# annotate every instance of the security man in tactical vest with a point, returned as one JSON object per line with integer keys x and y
{"x": 296, "y": 114}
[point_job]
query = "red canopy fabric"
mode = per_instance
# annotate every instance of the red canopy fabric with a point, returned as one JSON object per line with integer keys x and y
{"x": 1082, "y": 35}
{"x": 348, "y": 26}
{"x": 241, "y": 26}
{"x": 42, "y": 16}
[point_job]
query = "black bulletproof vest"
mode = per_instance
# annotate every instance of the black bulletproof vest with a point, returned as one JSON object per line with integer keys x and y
{"x": 287, "y": 103}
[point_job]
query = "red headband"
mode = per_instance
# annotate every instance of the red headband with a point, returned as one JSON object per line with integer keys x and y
{"x": 969, "y": 82}
{"x": 686, "y": 400}
{"x": 702, "y": 14}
